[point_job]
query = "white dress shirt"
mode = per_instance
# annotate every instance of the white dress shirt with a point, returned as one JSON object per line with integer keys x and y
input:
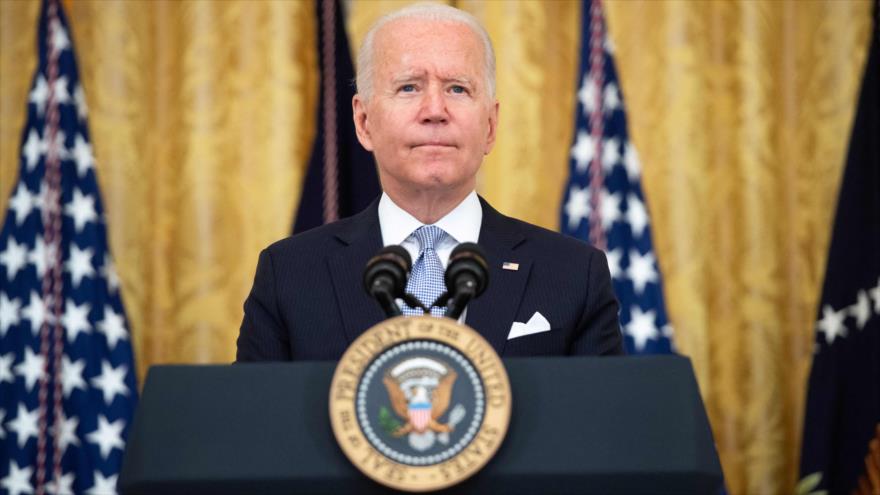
{"x": 462, "y": 224}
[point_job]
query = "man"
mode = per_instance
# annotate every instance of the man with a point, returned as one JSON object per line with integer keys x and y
{"x": 426, "y": 108}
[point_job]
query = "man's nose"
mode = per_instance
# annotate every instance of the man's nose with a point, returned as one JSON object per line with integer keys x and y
{"x": 434, "y": 107}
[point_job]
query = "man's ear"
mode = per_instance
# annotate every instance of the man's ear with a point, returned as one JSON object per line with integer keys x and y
{"x": 359, "y": 110}
{"x": 493, "y": 126}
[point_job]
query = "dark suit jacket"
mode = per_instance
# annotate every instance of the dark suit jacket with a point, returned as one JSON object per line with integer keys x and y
{"x": 308, "y": 299}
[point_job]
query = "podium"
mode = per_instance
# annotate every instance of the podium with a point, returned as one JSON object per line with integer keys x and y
{"x": 578, "y": 425}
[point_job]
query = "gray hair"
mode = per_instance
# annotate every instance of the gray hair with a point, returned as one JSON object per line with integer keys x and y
{"x": 425, "y": 11}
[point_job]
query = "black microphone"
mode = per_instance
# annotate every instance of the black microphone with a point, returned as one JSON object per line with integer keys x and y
{"x": 467, "y": 276}
{"x": 385, "y": 277}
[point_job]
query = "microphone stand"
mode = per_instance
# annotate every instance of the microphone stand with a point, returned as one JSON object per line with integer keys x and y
{"x": 465, "y": 291}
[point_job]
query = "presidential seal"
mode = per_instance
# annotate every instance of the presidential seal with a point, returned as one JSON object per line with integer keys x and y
{"x": 420, "y": 403}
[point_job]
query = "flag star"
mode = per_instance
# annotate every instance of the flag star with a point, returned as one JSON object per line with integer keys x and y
{"x": 13, "y": 258}
{"x": 614, "y": 258}
{"x": 39, "y": 255}
{"x": 608, "y": 45}
{"x": 32, "y": 150}
{"x": 21, "y": 203}
{"x": 113, "y": 327}
{"x": 587, "y": 94}
{"x": 611, "y": 97}
{"x": 641, "y": 327}
{"x": 10, "y": 310}
{"x": 610, "y": 154}
{"x": 861, "y": 310}
{"x": 111, "y": 381}
{"x": 40, "y": 94}
{"x": 63, "y": 486}
{"x": 18, "y": 481}
{"x": 667, "y": 331}
{"x": 75, "y": 319}
{"x": 609, "y": 209}
{"x": 62, "y": 95}
{"x": 79, "y": 96}
{"x": 40, "y": 198}
{"x": 66, "y": 433}
{"x": 641, "y": 270}
{"x": 631, "y": 162}
{"x": 108, "y": 271}
{"x": 32, "y": 368}
{"x": 82, "y": 209}
{"x": 79, "y": 264}
{"x": 583, "y": 151}
{"x": 6, "y": 375}
{"x": 2, "y": 416}
{"x": 25, "y": 424}
{"x": 831, "y": 324}
{"x": 875, "y": 293}
{"x": 103, "y": 486}
{"x": 636, "y": 215}
{"x": 60, "y": 40}
{"x": 35, "y": 313}
{"x": 72, "y": 375}
{"x": 82, "y": 154}
{"x": 577, "y": 207}
{"x": 107, "y": 436}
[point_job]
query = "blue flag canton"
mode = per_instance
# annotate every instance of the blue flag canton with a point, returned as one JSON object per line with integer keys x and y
{"x": 98, "y": 382}
{"x": 621, "y": 209}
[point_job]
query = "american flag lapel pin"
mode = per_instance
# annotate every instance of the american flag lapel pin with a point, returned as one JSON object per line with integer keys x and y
{"x": 507, "y": 265}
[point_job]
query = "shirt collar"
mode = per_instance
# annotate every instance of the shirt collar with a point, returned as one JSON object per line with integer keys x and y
{"x": 462, "y": 223}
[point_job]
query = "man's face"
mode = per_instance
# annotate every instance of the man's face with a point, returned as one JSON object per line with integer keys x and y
{"x": 430, "y": 118}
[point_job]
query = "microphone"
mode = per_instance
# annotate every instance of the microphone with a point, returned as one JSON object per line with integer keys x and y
{"x": 385, "y": 279}
{"x": 467, "y": 276}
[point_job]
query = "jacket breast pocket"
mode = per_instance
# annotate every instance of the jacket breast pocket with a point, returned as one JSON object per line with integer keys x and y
{"x": 552, "y": 343}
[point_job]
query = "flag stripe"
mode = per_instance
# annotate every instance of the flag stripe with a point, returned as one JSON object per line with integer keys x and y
{"x": 597, "y": 130}
{"x": 328, "y": 64}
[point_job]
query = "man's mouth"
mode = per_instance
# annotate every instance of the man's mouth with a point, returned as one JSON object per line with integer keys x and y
{"x": 434, "y": 145}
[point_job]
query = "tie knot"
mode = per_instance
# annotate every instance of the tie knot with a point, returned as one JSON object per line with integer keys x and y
{"x": 428, "y": 236}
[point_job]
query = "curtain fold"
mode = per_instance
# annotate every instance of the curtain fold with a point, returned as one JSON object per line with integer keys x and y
{"x": 741, "y": 112}
{"x": 202, "y": 117}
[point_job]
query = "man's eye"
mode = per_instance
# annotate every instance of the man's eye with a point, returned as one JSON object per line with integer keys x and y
{"x": 407, "y": 88}
{"x": 459, "y": 90}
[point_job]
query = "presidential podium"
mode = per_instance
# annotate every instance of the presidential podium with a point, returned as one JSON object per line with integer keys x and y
{"x": 578, "y": 425}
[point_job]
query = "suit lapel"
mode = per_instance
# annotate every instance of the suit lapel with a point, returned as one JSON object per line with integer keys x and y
{"x": 361, "y": 238}
{"x": 492, "y": 313}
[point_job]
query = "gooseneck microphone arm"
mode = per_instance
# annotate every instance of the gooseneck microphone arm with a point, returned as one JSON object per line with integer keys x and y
{"x": 382, "y": 293}
{"x": 385, "y": 278}
{"x": 464, "y": 292}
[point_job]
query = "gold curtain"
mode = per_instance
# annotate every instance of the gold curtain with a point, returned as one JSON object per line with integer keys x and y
{"x": 202, "y": 115}
{"x": 741, "y": 112}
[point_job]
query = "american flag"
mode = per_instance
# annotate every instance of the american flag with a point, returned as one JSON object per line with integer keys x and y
{"x": 67, "y": 379}
{"x": 604, "y": 203}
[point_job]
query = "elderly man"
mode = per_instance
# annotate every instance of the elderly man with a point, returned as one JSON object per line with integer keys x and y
{"x": 426, "y": 108}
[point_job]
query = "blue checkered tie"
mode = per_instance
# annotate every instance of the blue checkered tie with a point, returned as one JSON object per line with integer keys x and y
{"x": 426, "y": 280}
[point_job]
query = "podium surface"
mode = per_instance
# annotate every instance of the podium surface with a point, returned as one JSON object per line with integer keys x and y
{"x": 578, "y": 425}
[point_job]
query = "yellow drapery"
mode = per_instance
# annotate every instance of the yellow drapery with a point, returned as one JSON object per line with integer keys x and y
{"x": 202, "y": 114}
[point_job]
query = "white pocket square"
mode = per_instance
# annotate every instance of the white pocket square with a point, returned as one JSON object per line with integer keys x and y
{"x": 536, "y": 324}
